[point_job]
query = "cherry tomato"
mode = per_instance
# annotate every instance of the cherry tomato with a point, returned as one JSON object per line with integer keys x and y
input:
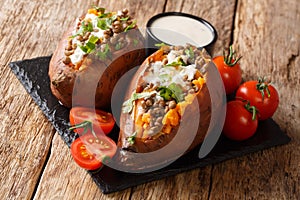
{"x": 89, "y": 151}
{"x": 230, "y": 70}
{"x": 100, "y": 121}
{"x": 240, "y": 122}
{"x": 260, "y": 94}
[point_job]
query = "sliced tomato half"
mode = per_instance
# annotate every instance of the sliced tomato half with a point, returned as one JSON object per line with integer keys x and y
{"x": 102, "y": 122}
{"x": 89, "y": 151}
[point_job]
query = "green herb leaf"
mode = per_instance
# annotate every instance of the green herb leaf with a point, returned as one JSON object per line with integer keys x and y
{"x": 83, "y": 48}
{"x": 190, "y": 53}
{"x": 165, "y": 93}
{"x": 179, "y": 62}
{"x": 128, "y": 104}
{"x": 90, "y": 45}
{"x": 135, "y": 42}
{"x": 99, "y": 9}
{"x": 104, "y": 54}
{"x": 131, "y": 139}
{"x": 124, "y": 18}
{"x": 104, "y": 15}
{"x": 118, "y": 46}
{"x": 173, "y": 91}
{"x": 93, "y": 39}
{"x": 87, "y": 28}
{"x": 131, "y": 26}
{"x": 111, "y": 19}
{"x": 177, "y": 92}
{"x": 102, "y": 24}
{"x": 160, "y": 44}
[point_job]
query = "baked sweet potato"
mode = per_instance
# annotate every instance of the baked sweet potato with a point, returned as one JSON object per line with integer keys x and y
{"x": 167, "y": 95}
{"x": 93, "y": 55}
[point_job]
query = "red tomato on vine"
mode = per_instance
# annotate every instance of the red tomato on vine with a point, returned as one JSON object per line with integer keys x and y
{"x": 229, "y": 70}
{"x": 262, "y": 95}
{"x": 240, "y": 122}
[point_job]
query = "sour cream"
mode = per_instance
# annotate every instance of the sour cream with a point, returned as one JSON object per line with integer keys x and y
{"x": 179, "y": 28}
{"x": 162, "y": 75}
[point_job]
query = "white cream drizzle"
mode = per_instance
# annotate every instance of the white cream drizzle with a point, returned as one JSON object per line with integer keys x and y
{"x": 165, "y": 75}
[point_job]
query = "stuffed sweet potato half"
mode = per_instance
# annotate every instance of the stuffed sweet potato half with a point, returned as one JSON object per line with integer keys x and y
{"x": 98, "y": 50}
{"x": 168, "y": 92}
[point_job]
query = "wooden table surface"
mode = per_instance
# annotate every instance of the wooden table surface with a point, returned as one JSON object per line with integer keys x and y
{"x": 36, "y": 164}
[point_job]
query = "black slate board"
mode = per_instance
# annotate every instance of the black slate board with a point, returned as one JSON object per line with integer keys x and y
{"x": 33, "y": 74}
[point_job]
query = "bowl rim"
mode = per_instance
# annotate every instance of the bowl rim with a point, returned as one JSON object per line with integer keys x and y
{"x": 203, "y": 21}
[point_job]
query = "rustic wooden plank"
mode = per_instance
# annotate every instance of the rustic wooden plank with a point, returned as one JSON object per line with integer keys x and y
{"x": 267, "y": 34}
{"x": 63, "y": 179}
{"x": 25, "y": 133}
{"x": 28, "y": 29}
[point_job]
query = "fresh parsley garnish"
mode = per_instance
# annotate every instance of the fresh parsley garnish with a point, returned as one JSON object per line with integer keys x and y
{"x": 135, "y": 42}
{"x": 87, "y": 27}
{"x": 111, "y": 19}
{"x": 178, "y": 62}
{"x": 160, "y": 44}
{"x": 124, "y": 18}
{"x": 173, "y": 91}
{"x": 131, "y": 139}
{"x": 128, "y": 104}
{"x": 118, "y": 46}
{"x": 90, "y": 45}
{"x": 84, "y": 28}
{"x": 105, "y": 53}
{"x": 131, "y": 26}
{"x": 99, "y": 9}
{"x": 102, "y": 24}
{"x": 190, "y": 53}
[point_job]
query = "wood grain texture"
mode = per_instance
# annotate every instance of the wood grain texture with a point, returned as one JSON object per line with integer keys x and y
{"x": 36, "y": 164}
{"x": 267, "y": 34}
{"x": 63, "y": 179}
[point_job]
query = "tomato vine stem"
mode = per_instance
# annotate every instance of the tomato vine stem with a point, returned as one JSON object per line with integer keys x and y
{"x": 230, "y": 58}
{"x": 86, "y": 125}
{"x": 251, "y": 109}
{"x": 262, "y": 86}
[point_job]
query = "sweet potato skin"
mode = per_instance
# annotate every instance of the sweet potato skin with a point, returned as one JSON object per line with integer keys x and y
{"x": 97, "y": 80}
{"x": 202, "y": 104}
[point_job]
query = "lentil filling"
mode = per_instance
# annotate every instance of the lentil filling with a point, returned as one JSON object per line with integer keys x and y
{"x": 99, "y": 30}
{"x": 171, "y": 81}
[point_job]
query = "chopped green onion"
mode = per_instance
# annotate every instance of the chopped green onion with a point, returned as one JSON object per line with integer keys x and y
{"x": 102, "y": 24}
{"x": 118, "y": 46}
{"x": 99, "y": 9}
{"x": 190, "y": 53}
{"x": 173, "y": 91}
{"x": 135, "y": 42}
{"x": 111, "y": 19}
{"x": 104, "y": 54}
{"x": 131, "y": 139}
{"x": 124, "y": 18}
{"x": 93, "y": 39}
{"x": 131, "y": 26}
{"x": 160, "y": 44}
{"x": 179, "y": 62}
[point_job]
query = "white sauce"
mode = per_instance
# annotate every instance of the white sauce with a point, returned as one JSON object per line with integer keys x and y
{"x": 179, "y": 30}
{"x": 165, "y": 75}
{"x": 78, "y": 54}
